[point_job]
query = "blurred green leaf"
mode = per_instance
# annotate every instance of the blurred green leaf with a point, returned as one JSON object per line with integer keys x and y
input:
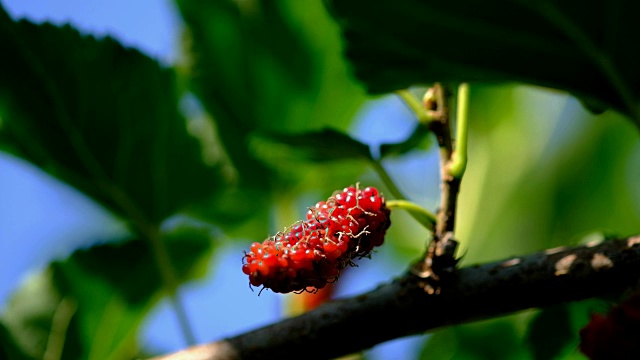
{"x": 9, "y": 349}
{"x": 441, "y": 344}
{"x": 550, "y": 332}
{"x": 240, "y": 213}
{"x": 34, "y": 311}
{"x": 527, "y": 159}
{"x": 418, "y": 139}
{"x": 591, "y": 53}
{"x": 324, "y": 145}
{"x": 101, "y": 117}
{"x": 601, "y": 160}
{"x": 267, "y": 66}
{"x": 489, "y": 339}
{"x": 553, "y": 333}
{"x": 113, "y": 287}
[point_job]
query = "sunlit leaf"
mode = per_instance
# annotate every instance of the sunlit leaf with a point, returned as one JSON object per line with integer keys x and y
{"x": 267, "y": 66}
{"x": 586, "y": 48}
{"x": 34, "y": 311}
{"x": 100, "y": 117}
{"x": 9, "y": 350}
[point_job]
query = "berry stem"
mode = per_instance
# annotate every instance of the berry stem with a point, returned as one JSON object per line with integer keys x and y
{"x": 424, "y": 217}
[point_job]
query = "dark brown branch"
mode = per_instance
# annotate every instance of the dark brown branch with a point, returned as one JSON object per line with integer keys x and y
{"x": 442, "y": 129}
{"x": 440, "y": 258}
{"x": 402, "y": 308}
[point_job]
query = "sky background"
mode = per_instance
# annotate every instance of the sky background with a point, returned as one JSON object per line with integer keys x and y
{"x": 39, "y": 212}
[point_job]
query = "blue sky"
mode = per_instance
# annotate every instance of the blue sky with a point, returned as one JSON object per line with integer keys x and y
{"x": 39, "y": 212}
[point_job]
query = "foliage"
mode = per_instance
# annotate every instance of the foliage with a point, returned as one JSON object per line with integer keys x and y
{"x": 395, "y": 45}
{"x": 278, "y": 126}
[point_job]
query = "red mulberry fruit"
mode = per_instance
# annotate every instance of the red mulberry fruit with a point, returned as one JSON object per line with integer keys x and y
{"x": 311, "y": 253}
{"x": 615, "y": 335}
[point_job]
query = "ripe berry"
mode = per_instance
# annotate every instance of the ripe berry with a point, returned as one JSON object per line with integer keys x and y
{"x": 614, "y": 335}
{"x": 311, "y": 253}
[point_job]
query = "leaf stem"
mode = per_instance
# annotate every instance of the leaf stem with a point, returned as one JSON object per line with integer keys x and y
{"x": 426, "y": 218}
{"x": 150, "y": 231}
{"x": 459, "y": 156}
{"x": 422, "y": 216}
{"x": 388, "y": 181}
{"x": 59, "y": 328}
{"x": 183, "y": 319}
{"x": 415, "y": 105}
{"x": 170, "y": 279}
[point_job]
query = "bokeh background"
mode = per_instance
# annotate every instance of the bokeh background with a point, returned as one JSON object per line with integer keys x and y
{"x": 542, "y": 172}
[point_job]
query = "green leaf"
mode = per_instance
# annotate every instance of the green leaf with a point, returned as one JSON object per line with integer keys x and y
{"x": 267, "y": 66}
{"x": 111, "y": 289}
{"x": 9, "y": 349}
{"x": 554, "y": 332}
{"x": 441, "y": 344}
{"x": 32, "y": 314}
{"x": 100, "y": 117}
{"x": 591, "y": 53}
{"x": 240, "y": 213}
{"x": 496, "y": 338}
{"x": 324, "y": 145}
{"x": 550, "y": 332}
{"x": 419, "y": 139}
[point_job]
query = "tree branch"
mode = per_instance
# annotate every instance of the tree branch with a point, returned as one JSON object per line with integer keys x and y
{"x": 402, "y": 308}
{"x": 439, "y": 259}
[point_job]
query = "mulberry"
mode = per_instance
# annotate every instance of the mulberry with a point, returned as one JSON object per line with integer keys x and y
{"x": 311, "y": 253}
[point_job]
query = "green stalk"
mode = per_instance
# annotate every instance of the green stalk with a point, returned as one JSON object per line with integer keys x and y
{"x": 151, "y": 232}
{"x": 414, "y": 104}
{"x": 59, "y": 328}
{"x": 388, "y": 181}
{"x": 171, "y": 282}
{"x": 422, "y": 215}
{"x": 459, "y": 157}
{"x": 419, "y": 213}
